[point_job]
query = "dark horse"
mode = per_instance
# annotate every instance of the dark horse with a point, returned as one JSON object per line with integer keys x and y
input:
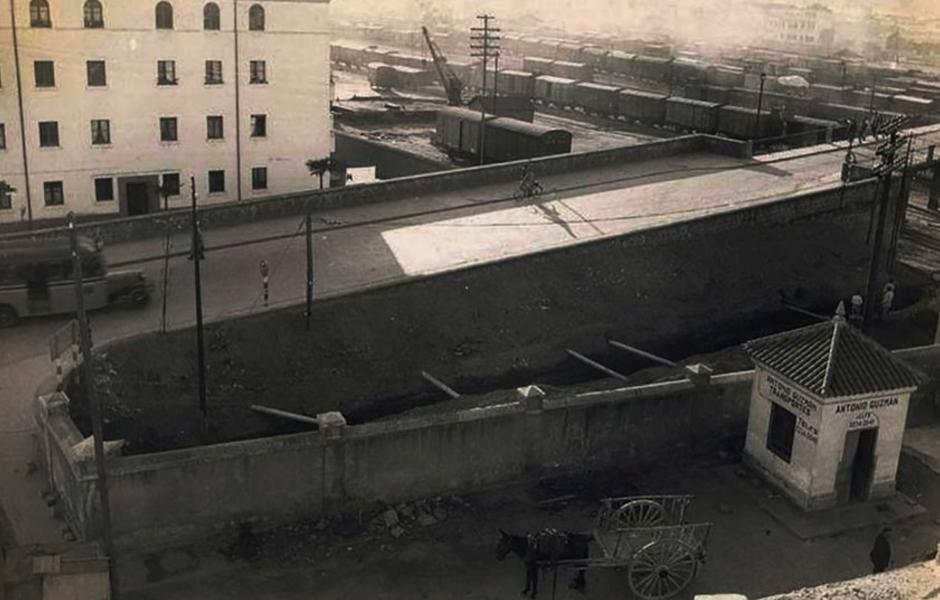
{"x": 543, "y": 549}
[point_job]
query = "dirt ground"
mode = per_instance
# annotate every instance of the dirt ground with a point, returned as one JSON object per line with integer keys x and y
{"x": 749, "y": 552}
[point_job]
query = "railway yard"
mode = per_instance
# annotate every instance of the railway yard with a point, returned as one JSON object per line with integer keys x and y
{"x": 520, "y": 328}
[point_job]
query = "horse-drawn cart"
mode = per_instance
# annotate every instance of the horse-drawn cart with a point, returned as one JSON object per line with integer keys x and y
{"x": 648, "y": 536}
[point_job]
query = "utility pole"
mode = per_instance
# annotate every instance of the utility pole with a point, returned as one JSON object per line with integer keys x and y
{"x": 885, "y": 170}
{"x": 760, "y": 104}
{"x": 166, "y": 254}
{"x": 309, "y": 236}
{"x": 200, "y": 347}
{"x": 91, "y": 391}
{"x": 484, "y": 44}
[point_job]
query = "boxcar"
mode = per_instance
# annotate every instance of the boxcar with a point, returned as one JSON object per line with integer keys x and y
{"x": 685, "y": 71}
{"x": 694, "y": 115}
{"x": 537, "y": 65}
{"x": 621, "y": 63}
{"x": 516, "y": 83}
{"x": 555, "y": 90}
{"x": 725, "y": 75}
{"x": 410, "y": 78}
{"x": 382, "y": 76}
{"x": 510, "y": 139}
{"x": 638, "y": 105}
{"x": 741, "y": 123}
{"x": 826, "y": 93}
{"x": 570, "y": 51}
{"x": 597, "y": 98}
{"x": 596, "y": 57}
{"x": 807, "y": 131}
{"x": 714, "y": 93}
{"x": 408, "y": 60}
{"x": 572, "y": 70}
{"x": 911, "y": 105}
{"x": 652, "y": 68}
{"x": 658, "y": 50}
{"x": 837, "y": 112}
{"x": 458, "y": 132}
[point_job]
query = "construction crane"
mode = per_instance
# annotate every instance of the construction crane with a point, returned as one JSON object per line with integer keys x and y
{"x": 452, "y": 84}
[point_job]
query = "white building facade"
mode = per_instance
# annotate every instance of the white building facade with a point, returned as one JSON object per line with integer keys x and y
{"x": 107, "y": 106}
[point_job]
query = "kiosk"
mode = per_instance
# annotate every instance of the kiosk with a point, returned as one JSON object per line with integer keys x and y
{"x": 827, "y": 414}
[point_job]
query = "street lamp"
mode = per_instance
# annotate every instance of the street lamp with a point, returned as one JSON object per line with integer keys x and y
{"x": 843, "y": 75}
{"x": 760, "y": 103}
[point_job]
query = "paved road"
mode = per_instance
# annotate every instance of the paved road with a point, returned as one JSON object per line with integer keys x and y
{"x": 390, "y": 245}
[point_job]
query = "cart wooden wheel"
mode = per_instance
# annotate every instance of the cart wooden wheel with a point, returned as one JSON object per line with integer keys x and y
{"x": 639, "y": 513}
{"x": 662, "y": 569}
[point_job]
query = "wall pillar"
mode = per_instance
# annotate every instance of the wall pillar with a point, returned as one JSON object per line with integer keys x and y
{"x": 533, "y": 397}
{"x": 333, "y": 429}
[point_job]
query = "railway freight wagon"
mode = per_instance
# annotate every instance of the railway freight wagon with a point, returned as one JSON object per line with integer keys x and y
{"x": 537, "y": 65}
{"x": 516, "y": 83}
{"x": 742, "y": 123}
{"x": 511, "y": 139}
{"x": 458, "y": 133}
{"x": 646, "y": 107}
{"x": 725, "y": 76}
{"x": 692, "y": 115}
{"x": 597, "y": 98}
{"x": 620, "y": 63}
{"x": 557, "y": 91}
{"x": 382, "y": 76}
{"x": 572, "y": 70}
{"x": 652, "y": 68}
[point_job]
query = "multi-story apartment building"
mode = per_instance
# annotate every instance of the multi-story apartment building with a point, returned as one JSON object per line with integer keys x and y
{"x": 797, "y": 26}
{"x": 107, "y": 104}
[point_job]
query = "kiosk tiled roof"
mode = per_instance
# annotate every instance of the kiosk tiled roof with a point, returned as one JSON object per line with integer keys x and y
{"x": 832, "y": 360}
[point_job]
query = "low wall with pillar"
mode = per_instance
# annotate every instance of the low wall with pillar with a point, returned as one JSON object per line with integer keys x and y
{"x": 341, "y": 468}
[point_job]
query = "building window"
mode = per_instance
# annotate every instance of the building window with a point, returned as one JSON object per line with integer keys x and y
{"x": 256, "y": 18}
{"x": 258, "y": 72}
{"x": 166, "y": 72}
{"x": 52, "y": 193}
{"x": 171, "y": 184}
{"x": 94, "y": 15}
{"x": 211, "y": 20}
{"x": 781, "y": 431}
{"x": 39, "y": 14}
{"x": 168, "y": 129}
{"x": 259, "y": 125}
{"x": 214, "y": 128}
{"x": 6, "y": 199}
{"x": 259, "y": 178}
{"x": 48, "y": 134}
{"x": 97, "y": 75}
{"x": 100, "y": 131}
{"x": 216, "y": 182}
{"x": 164, "y": 15}
{"x": 3, "y": 136}
{"x": 104, "y": 189}
{"x": 44, "y": 71}
{"x": 213, "y": 72}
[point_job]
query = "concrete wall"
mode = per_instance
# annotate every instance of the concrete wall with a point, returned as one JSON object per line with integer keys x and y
{"x": 389, "y": 161}
{"x": 220, "y": 215}
{"x": 678, "y": 289}
{"x": 185, "y": 492}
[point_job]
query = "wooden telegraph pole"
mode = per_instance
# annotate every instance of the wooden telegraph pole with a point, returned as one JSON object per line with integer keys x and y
{"x": 484, "y": 44}
{"x": 200, "y": 346}
{"x": 87, "y": 371}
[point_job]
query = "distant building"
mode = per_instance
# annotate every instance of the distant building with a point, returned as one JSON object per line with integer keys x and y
{"x": 798, "y": 27}
{"x": 117, "y": 97}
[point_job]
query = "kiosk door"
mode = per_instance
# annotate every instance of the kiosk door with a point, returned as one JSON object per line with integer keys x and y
{"x": 863, "y": 467}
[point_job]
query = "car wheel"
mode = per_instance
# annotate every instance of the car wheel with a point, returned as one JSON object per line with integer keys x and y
{"x": 8, "y": 316}
{"x": 140, "y": 297}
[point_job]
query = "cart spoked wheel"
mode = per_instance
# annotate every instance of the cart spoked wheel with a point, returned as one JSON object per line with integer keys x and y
{"x": 639, "y": 513}
{"x": 662, "y": 569}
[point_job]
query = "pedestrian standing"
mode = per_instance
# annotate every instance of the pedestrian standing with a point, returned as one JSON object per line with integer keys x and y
{"x": 887, "y": 298}
{"x": 857, "y": 310}
{"x": 880, "y": 554}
